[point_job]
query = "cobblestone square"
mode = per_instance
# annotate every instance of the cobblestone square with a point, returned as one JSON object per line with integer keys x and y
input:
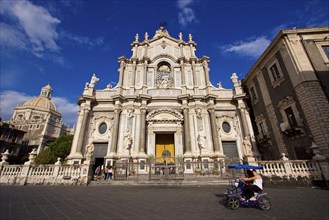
{"x": 153, "y": 202}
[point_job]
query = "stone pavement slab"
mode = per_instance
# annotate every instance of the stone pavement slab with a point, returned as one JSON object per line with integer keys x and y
{"x": 153, "y": 202}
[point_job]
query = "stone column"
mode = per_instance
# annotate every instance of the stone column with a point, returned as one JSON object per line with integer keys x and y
{"x": 206, "y": 71}
{"x": 76, "y": 149}
{"x": 121, "y": 70}
{"x": 181, "y": 50}
{"x": 183, "y": 71}
{"x": 214, "y": 129}
{"x": 187, "y": 130}
{"x": 193, "y": 73}
{"x": 242, "y": 111}
{"x": 133, "y": 75}
{"x": 142, "y": 137}
{"x": 114, "y": 140}
{"x": 83, "y": 130}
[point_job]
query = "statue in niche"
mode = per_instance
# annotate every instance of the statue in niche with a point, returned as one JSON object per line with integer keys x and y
{"x": 247, "y": 146}
{"x": 201, "y": 139}
{"x": 128, "y": 140}
{"x": 130, "y": 114}
{"x": 198, "y": 113}
{"x": 89, "y": 151}
{"x": 93, "y": 80}
{"x": 164, "y": 68}
{"x": 163, "y": 79}
{"x": 164, "y": 82}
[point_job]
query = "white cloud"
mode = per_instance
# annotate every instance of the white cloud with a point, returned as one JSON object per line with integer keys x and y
{"x": 186, "y": 14}
{"x": 183, "y": 3}
{"x": 12, "y": 37}
{"x": 82, "y": 40}
{"x": 253, "y": 48}
{"x": 33, "y": 22}
{"x": 68, "y": 110}
{"x": 10, "y": 99}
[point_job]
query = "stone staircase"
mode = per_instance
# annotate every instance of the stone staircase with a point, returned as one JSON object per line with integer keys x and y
{"x": 159, "y": 182}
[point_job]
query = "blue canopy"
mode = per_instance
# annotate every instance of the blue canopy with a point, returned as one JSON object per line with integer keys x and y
{"x": 244, "y": 166}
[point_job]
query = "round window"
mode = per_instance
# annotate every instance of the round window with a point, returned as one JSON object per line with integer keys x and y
{"x": 102, "y": 128}
{"x": 226, "y": 127}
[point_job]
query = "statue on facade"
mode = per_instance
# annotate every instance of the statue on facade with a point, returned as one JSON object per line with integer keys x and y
{"x": 247, "y": 146}
{"x": 164, "y": 82}
{"x": 219, "y": 85}
{"x": 190, "y": 37}
{"x": 136, "y": 37}
{"x": 130, "y": 114}
{"x": 93, "y": 80}
{"x": 109, "y": 86}
{"x": 201, "y": 139}
{"x": 198, "y": 112}
{"x": 180, "y": 36}
{"x": 234, "y": 79}
{"x": 128, "y": 140}
{"x": 89, "y": 151}
{"x": 146, "y": 36}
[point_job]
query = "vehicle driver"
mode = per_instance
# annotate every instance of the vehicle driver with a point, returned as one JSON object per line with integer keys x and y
{"x": 254, "y": 183}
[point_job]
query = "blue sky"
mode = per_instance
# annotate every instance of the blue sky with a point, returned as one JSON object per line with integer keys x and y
{"x": 65, "y": 41}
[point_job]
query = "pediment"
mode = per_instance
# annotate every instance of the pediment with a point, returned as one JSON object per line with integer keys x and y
{"x": 164, "y": 115}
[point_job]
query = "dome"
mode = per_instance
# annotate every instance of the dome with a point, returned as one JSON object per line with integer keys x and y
{"x": 41, "y": 102}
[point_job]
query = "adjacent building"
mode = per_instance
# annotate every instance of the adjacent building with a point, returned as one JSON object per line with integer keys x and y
{"x": 288, "y": 89}
{"x": 11, "y": 139}
{"x": 40, "y": 120}
{"x": 163, "y": 107}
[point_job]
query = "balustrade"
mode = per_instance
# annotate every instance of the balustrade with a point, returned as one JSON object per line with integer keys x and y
{"x": 80, "y": 174}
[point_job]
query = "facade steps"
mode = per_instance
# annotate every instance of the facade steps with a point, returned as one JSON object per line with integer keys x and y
{"x": 160, "y": 182}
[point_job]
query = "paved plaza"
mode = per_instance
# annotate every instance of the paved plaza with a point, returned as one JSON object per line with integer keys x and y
{"x": 153, "y": 202}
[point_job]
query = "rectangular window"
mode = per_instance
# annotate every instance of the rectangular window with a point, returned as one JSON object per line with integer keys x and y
{"x": 261, "y": 126}
{"x": 326, "y": 50}
{"x": 253, "y": 93}
{"x": 275, "y": 72}
{"x": 291, "y": 117}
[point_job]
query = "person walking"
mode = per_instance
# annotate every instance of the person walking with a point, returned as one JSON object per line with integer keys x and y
{"x": 110, "y": 172}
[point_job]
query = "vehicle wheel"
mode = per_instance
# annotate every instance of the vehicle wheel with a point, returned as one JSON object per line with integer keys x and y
{"x": 233, "y": 203}
{"x": 264, "y": 203}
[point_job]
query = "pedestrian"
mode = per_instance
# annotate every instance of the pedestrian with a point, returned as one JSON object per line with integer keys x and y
{"x": 105, "y": 172}
{"x": 110, "y": 172}
{"x": 98, "y": 172}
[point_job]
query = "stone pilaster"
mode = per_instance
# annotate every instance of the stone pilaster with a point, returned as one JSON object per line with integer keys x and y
{"x": 187, "y": 130}
{"x": 143, "y": 128}
{"x": 214, "y": 130}
{"x": 115, "y": 133}
{"x": 80, "y": 131}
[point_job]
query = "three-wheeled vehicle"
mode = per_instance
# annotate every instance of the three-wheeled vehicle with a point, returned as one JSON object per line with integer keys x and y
{"x": 234, "y": 196}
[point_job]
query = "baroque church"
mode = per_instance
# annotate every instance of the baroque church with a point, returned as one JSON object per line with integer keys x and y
{"x": 163, "y": 107}
{"x": 40, "y": 119}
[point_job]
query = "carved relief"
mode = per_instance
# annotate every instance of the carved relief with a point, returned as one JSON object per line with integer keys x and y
{"x": 164, "y": 115}
{"x": 164, "y": 78}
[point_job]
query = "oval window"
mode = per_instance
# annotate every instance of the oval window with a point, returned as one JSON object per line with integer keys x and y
{"x": 226, "y": 127}
{"x": 102, "y": 128}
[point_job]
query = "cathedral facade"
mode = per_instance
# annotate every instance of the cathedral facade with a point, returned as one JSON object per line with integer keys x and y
{"x": 163, "y": 107}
